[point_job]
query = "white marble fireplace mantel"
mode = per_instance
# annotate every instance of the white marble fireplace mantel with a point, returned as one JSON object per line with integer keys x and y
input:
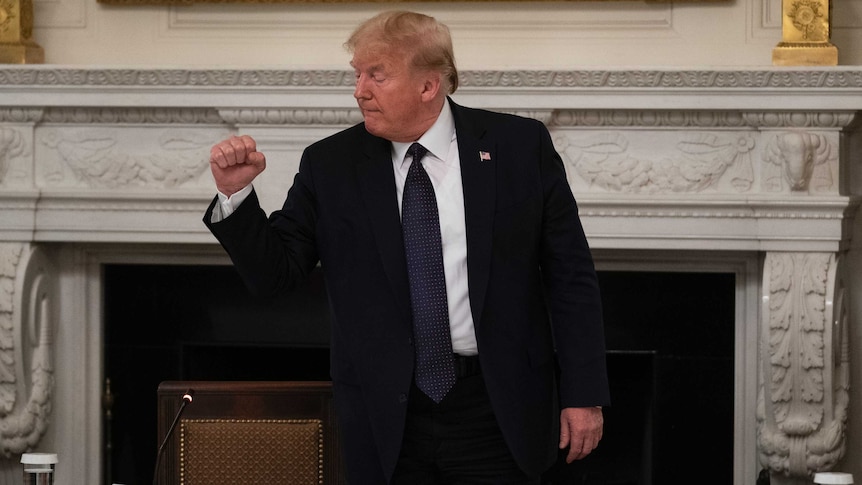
{"x": 753, "y": 171}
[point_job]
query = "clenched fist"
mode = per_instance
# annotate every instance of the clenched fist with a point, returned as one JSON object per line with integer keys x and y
{"x": 235, "y": 162}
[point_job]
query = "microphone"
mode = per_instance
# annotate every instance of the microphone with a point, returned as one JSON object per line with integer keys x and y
{"x": 187, "y": 399}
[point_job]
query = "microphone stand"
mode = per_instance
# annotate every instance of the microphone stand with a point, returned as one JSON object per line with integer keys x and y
{"x": 187, "y": 398}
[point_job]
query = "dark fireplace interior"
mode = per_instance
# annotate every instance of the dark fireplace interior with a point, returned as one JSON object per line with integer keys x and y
{"x": 670, "y": 337}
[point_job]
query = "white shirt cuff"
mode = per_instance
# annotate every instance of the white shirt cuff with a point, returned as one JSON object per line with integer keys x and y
{"x": 227, "y": 205}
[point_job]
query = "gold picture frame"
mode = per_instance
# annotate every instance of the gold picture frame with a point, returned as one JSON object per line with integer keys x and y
{"x": 191, "y": 2}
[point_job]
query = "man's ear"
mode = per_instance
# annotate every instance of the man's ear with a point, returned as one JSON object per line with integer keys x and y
{"x": 431, "y": 86}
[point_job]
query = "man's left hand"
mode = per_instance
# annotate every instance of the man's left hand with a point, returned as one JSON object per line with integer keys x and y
{"x": 580, "y": 430}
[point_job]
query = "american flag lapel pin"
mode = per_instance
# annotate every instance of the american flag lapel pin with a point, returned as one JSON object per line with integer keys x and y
{"x": 484, "y": 156}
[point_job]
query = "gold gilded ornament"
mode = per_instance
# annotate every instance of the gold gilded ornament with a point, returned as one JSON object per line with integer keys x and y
{"x": 16, "y": 30}
{"x": 806, "y": 29}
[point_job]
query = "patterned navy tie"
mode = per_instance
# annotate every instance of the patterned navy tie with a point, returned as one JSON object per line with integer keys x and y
{"x": 435, "y": 362}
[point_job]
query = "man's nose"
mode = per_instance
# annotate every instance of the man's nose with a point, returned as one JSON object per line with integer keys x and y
{"x": 360, "y": 91}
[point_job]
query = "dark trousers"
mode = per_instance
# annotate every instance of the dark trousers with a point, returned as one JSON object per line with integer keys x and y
{"x": 456, "y": 441}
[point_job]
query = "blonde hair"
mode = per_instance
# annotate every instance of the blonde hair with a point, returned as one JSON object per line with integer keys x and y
{"x": 423, "y": 38}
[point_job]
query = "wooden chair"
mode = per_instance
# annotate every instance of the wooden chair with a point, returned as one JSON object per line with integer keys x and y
{"x": 249, "y": 432}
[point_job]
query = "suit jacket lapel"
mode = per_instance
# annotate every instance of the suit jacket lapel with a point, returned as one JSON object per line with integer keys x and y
{"x": 478, "y": 158}
{"x": 377, "y": 185}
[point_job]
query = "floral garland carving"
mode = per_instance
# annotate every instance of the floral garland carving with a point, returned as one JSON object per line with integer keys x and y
{"x": 95, "y": 158}
{"x": 699, "y": 163}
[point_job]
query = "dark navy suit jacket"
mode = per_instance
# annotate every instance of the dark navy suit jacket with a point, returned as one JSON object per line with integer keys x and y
{"x": 532, "y": 284}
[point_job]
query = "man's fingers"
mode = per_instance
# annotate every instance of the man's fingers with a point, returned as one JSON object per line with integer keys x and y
{"x": 249, "y": 143}
{"x": 235, "y": 163}
{"x": 564, "y": 434}
{"x": 240, "y": 149}
{"x": 578, "y": 451}
{"x": 235, "y": 150}
{"x": 581, "y": 431}
{"x": 257, "y": 158}
{"x": 217, "y": 156}
{"x": 575, "y": 452}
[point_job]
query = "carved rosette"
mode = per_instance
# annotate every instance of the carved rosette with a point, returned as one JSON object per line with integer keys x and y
{"x": 804, "y": 394}
{"x": 26, "y": 340}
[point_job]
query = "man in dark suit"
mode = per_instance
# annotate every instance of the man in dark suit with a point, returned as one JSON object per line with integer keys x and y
{"x": 524, "y": 343}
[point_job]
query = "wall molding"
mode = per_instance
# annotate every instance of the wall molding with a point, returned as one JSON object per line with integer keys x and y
{"x": 837, "y": 78}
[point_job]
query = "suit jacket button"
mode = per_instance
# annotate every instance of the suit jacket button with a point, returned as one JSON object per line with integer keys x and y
{"x": 410, "y": 341}
{"x": 402, "y": 398}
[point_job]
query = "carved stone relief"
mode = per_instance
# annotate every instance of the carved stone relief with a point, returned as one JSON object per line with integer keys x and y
{"x": 687, "y": 163}
{"x": 650, "y": 118}
{"x": 337, "y": 117}
{"x": 15, "y": 156}
{"x": 27, "y": 295}
{"x": 123, "y": 115}
{"x": 801, "y": 162}
{"x": 116, "y": 158}
{"x": 803, "y": 400}
{"x": 799, "y": 119}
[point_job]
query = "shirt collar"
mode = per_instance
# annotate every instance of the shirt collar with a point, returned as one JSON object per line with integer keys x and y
{"x": 437, "y": 140}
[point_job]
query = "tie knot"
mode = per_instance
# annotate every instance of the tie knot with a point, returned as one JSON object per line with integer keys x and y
{"x": 417, "y": 151}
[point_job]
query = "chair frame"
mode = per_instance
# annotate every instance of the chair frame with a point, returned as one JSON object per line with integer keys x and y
{"x": 248, "y": 400}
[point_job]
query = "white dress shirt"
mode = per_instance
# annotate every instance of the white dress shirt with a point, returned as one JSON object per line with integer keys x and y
{"x": 444, "y": 168}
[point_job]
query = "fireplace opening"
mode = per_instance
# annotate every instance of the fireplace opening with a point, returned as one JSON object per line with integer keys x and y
{"x": 670, "y": 340}
{"x": 176, "y": 322}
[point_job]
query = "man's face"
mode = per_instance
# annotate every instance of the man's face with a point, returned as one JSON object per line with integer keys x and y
{"x": 389, "y": 94}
